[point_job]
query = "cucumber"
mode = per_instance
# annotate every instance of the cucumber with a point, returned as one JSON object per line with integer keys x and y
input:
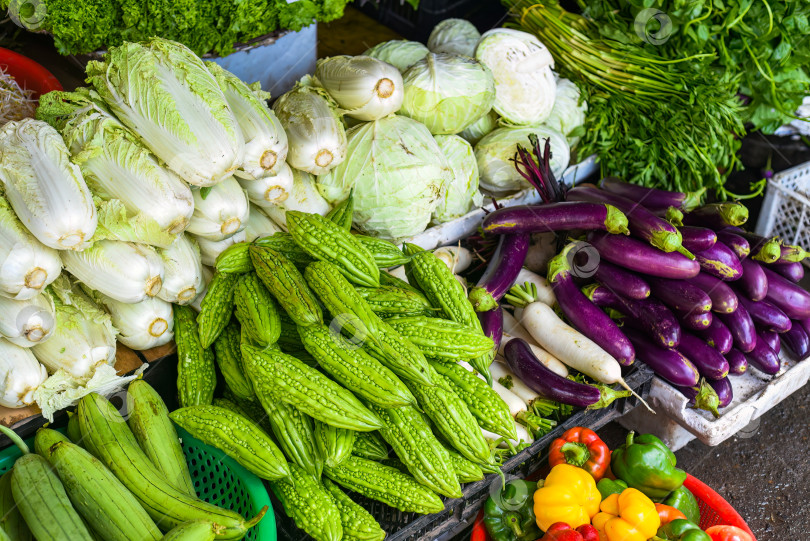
{"x": 198, "y": 530}
{"x": 11, "y": 521}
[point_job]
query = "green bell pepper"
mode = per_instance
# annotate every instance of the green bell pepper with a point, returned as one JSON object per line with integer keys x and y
{"x": 606, "y": 487}
{"x": 681, "y": 530}
{"x": 684, "y": 501}
{"x": 646, "y": 464}
{"x": 509, "y": 514}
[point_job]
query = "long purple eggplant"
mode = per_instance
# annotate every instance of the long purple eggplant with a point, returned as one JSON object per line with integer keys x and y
{"x": 767, "y": 316}
{"x": 790, "y": 253}
{"x": 702, "y": 397}
{"x": 767, "y": 250}
{"x": 653, "y": 198}
{"x": 583, "y": 314}
{"x": 680, "y": 295}
{"x": 492, "y": 324}
{"x": 805, "y": 323}
{"x": 724, "y": 300}
{"x": 502, "y": 271}
{"x": 770, "y": 338}
{"x": 621, "y": 281}
{"x": 709, "y": 362}
{"x": 725, "y": 393}
{"x": 797, "y": 342}
{"x": 742, "y": 328}
{"x": 753, "y": 283}
{"x": 718, "y": 336}
{"x": 563, "y": 216}
{"x": 669, "y": 364}
{"x": 672, "y": 215}
{"x": 792, "y": 271}
{"x": 717, "y": 215}
{"x": 697, "y": 322}
{"x": 787, "y": 296}
{"x": 737, "y": 363}
{"x": 603, "y": 297}
{"x": 641, "y": 222}
{"x": 737, "y": 243}
{"x": 641, "y": 257}
{"x": 656, "y": 320}
{"x": 697, "y": 239}
{"x": 533, "y": 373}
{"x": 763, "y": 358}
{"x": 720, "y": 261}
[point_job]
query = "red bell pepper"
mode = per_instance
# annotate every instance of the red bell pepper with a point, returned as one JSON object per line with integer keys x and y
{"x": 728, "y": 533}
{"x": 581, "y": 447}
{"x": 560, "y": 531}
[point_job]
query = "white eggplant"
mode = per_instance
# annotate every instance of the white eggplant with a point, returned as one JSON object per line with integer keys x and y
{"x": 20, "y": 375}
{"x": 143, "y": 325}
{"x": 270, "y": 191}
{"x": 210, "y": 249}
{"x": 29, "y": 322}
{"x": 44, "y": 188}
{"x": 219, "y": 211}
{"x": 182, "y": 274}
{"x": 304, "y": 196}
{"x": 125, "y": 271}
{"x": 259, "y": 225}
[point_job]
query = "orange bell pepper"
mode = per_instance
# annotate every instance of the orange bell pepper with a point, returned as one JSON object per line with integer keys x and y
{"x": 629, "y": 516}
{"x": 667, "y": 513}
{"x": 568, "y": 495}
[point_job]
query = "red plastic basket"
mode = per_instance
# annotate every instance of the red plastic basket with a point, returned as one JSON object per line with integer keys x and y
{"x": 28, "y": 73}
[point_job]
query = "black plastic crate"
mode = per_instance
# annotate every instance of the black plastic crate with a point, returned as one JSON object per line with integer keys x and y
{"x": 416, "y": 24}
{"x": 459, "y": 513}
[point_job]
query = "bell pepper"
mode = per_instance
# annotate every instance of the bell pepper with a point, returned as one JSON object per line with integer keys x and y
{"x": 629, "y": 516}
{"x": 682, "y": 530}
{"x": 581, "y": 447}
{"x": 684, "y": 501}
{"x": 568, "y": 495}
{"x": 667, "y": 513}
{"x": 646, "y": 464}
{"x": 509, "y": 514}
{"x": 560, "y": 531}
{"x": 606, "y": 487}
{"x": 728, "y": 533}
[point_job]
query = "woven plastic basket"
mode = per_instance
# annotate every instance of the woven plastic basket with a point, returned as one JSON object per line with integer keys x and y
{"x": 786, "y": 208}
{"x": 217, "y": 478}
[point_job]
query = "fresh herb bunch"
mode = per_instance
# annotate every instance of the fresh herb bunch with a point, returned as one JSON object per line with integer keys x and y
{"x": 652, "y": 120}
{"x": 762, "y": 44}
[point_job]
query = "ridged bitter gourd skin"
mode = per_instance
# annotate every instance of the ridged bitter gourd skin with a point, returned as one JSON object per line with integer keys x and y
{"x": 196, "y": 370}
{"x": 390, "y": 301}
{"x": 358, "y": 524}
{"x": 334, "y": 444}
{"x": 285, "y": 282}
{"x": 256, "y": 310}
{"x": 216, "y": 307}
{"x": 442, "y": 339}
{"x": 308, "y": 503}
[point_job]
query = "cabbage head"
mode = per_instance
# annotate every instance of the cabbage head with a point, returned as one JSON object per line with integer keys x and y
{"x": 569, "y": 111}
{"x": 400, "y": 53}
{"x": 495, "y": 151}
{"x": 461, "y": 195}
{"x": 478, "y": 129}
{"x": 447, "y": 92}
{"x": 398, "y": 173}
{"x": 456, "y": 36}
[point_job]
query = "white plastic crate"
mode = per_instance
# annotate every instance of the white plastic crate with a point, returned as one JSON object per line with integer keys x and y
{"x": 786, "y": 209}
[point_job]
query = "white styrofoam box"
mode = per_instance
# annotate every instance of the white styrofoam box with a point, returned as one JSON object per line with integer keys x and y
{"x": 455, "y": 230}
{"x": 754, "y": 394}
{"x": 786, "y": 208}
{"x": 642, "y": 421}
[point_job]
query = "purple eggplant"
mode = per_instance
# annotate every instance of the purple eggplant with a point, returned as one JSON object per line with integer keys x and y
{"x": 640, "y": 257}
{"x": 766, "y": 316}
{"x": 767, "y": 250}
{"x": 805, "y": 323}
{"x": 492, "y": 324}
{"x": 669, "y": 364}
{"x": 583, "y": 314}
{"x": 603, "y": 297}
{"x": 717, "y": 215}
{"x": 787, "y": 296}
{"x": 672, "y": 215}
{"x": 702, "y": 397}
{"x": 563, "y": 216}
{"x": 697, "y": 239}
{"x": 724, "y": 391}
{"x": 792, "y": 271}
{"x": 680, "y": 295}
{"x": 737, "y": 363}
{"x": 532, "y": 372}
{"x": 797, "y": 342}
{"x": 697, "y": 322}
{"x": 621, "y": 281}
{"x": 656, "y": 320}
{"x": 653, "y": 198}
{"x": 753, "y": 283}
{"x": 718, "y": 336}
{"x": 501, "y": 273}
{"x": 763, "y": 358}
{"x": 770, "y": 338}
{"x": 737, "y": 243}
{"x": 742, "y": 328}
{"x": 720, "y": 262}
{"x": 724, "y": 300}
{"x": 709, "y": 362}
{"x": 642, "y": 223}
{"x": 790, "y": 253}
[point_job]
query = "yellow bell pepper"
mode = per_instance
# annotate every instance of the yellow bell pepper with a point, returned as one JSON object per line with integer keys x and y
{"x": 568, "y": 495}
{"x": 629, "y": 516}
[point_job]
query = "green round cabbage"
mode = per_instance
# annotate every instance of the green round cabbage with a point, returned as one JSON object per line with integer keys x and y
{"x": 447, "y": 92}
{"x": 478, "y": 129}
{"x": 398, "y": 174}
{"x": 569, "y": 111}
{"x": 400, "y": 53}
{"x": 456, "y": 36}
{"x": 461, "y": 194}
{"x": 495, "y": 151}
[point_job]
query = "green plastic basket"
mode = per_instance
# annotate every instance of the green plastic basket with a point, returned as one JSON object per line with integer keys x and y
{"x": 218, "y": 479}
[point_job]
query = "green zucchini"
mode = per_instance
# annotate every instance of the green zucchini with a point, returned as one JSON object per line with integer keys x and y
{"x": 11, "y": 521}
{"x": 370, "y": 445}
{"x": 384, "y": 484}
{"x": 334, "y": 444}
{"x": 196, "y": 370}
{"x": 278, "y": 374}
{"x": 358, "y": 524}
{"x": 390, "y": 301}
{"x": 216, "y": 307}
{"x": 236, "y": 436}
{"x": 108, "y": 507}
{"x": 229, "y": 359}
{"x": 342, "y": 213}
{"x": 442, "y": 339}
{"x": 308, "y": 503}
{"x": 385, "y": 253}
{"x": 198, "y": 530}
{"x": 287, "y": 285}
{"x": 256, "y": 310}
